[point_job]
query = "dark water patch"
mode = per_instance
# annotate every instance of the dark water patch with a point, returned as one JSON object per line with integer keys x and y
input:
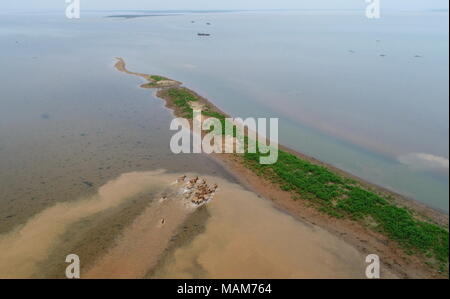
{"x": 192, "y": 227}
{"x": 91, "y": 237}
{"x": 140, "y": 16}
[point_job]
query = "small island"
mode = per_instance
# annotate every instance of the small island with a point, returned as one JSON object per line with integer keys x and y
{"x": 412, "y": 238}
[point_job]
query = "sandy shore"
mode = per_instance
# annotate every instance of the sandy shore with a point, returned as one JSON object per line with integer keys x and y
{"x": 235, "y": 235}
{"x": 367, "y": 241}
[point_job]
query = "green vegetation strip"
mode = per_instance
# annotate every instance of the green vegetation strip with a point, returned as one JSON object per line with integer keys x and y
{"x": 157, "y": 78}
{"x": 181, "y": 97}
{"x": 341, "y": 197}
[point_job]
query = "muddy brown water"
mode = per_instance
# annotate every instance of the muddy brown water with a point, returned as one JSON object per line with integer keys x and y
{"x": 79, "y": 174}
{"x": 243, "y": 237}
{"x": 82, "y": 178}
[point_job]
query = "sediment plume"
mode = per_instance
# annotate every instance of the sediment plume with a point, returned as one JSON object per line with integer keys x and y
{"x": 26, "y": 246}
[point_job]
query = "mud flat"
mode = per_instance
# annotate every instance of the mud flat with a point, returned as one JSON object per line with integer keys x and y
{"x": 235, "y": 234}
{"x": 411, "y": 239}
{"x": 245, "y": 236}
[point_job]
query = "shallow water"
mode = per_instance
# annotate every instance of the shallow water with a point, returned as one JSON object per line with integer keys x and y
{"x": 382, "y": 118}
{"x": 70, "y": 123}
{"x": 24, "y": 247}
{"x": 244, "y": 237}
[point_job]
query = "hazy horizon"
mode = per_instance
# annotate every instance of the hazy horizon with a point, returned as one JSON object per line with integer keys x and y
{"x": 225, "y": 5}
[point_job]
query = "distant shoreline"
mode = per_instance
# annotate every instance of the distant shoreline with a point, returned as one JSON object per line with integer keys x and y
{"x": 363, "y": 238}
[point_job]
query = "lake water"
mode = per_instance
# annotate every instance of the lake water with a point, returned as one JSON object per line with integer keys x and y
{"x": 368, "y": 96}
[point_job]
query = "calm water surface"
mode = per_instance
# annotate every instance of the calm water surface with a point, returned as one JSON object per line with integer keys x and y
{"x": 370, "y": 97}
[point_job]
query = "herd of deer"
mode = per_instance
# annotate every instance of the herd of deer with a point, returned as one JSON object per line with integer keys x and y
{"x": 197, "y": 190}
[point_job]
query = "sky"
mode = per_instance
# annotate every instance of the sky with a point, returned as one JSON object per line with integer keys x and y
{"x": 219, "y": 4}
